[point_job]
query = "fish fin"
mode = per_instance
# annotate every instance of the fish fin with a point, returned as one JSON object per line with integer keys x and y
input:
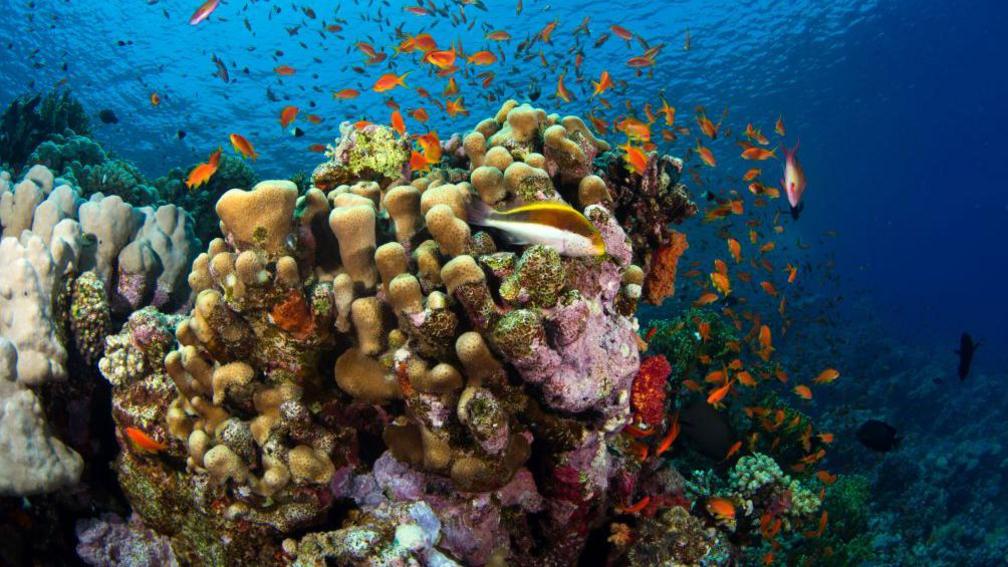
{"x": 795, "y": 211}
{"x": 478, "y": 212}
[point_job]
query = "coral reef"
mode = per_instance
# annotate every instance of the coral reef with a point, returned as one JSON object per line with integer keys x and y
{"x": 31, "y": 459}
{"x": 367, "y": 153}
{"x": 71, "y": 267}
{"x": 30, "y": 119}
{"x": 369, "y": 307}
{"x": 108, "y": 541}
{"x": 232, "y": 172}
{"x": 649, "y": 203}
{"x": 141, "y": 255}
{"x": 354, "y": 373}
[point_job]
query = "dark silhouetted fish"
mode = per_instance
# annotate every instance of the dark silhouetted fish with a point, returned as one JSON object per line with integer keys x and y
{"x": 967, "y": 348}
{"x": 878, "y": 435}
{"x": 108, "y": 117}
{"x": 181, "y": 134}
{"x": 705, "y": 430}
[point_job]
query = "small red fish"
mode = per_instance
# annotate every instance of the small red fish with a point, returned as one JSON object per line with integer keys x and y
{"x": 397, "y": 123}
{"x": 287, "y": 115}
{"x": 621, "y": 32}
{"x": 143, "y": 441}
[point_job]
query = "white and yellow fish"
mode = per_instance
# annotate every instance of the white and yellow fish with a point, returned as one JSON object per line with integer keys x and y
{"x": 550, "y": 223}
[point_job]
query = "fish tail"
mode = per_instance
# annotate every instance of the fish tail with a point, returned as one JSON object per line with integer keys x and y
{"x": 478, "y": 212}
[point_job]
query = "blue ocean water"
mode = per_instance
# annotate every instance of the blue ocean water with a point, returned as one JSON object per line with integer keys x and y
{"x": 899, "y": 107}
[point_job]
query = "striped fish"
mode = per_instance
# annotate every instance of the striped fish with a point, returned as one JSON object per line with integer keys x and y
{"x": 550, "y": 223}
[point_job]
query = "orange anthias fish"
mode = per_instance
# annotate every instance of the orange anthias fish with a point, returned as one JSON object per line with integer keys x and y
{"x": 455, "y": 107}
{"x": 635, "y": 158}
{"x": 779, "y": 126}
{"x": 143, "y": 441}
{"x": 482, "y": 58}
{"x": 637, "y": 507}
{"x": 203, "y": 12}
{"x": 397, "y": 123}
{"x": 794, "y": 181}
{"x": 345, "y": 94}
{"x": 827, "y": 376}
{"x": 561, "y": 91}
{"x": 547, "y": 32}
{"x": 706, "y": 125}
{"x": 735, "y": 249}
{"x": 204, "y": 171}
{"x": 668, "y": 112}
{"x": 734, "y": 449}
{"x": 499, "y": 35}
{"x": 721, "y": 508}
{"x": 389, "y": 81}
{"x": 768, "y": 288}
{"x": 718, "y": 394}
{"x": 670, "y": 437}
{"x": 420, "y": 115}
{"x": 705, "y": 299}
{"x": 640, "y": 62}
{"x": 431, "y": 146}
{"x": 155, "y": 99}
{"x": 721, "y": 283}
{"x": 765, "y": 341}
{"x": 706, "y": 155}
{"x": 621, "y": 32}
{"x": 603, "y": 84}
{"x": 287, "y": 115}
{"x": 451, "y": 88}
{"x": 757, "y": 153}
{"x": 803, "y": 392}
{"x": 418, "y": 162}
{"x": 243, "y": 146}
{"x": 751, "y": 174}
{"x": 441, "y": 58}
{"x": 284, "y": 70}
{"x": 634, "y": 129}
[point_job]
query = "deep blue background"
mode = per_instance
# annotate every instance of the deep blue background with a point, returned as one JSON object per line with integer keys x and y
{"x": 900, "y": 107}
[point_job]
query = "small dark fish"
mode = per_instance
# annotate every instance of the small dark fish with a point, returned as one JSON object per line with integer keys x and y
{"x": 534, "y": 92}
{"x": 297, "y": 132}
{"x": 108, "y": 117}
{"x": 181, "y": 134}
{"x": 878, "y": 436}
{"x": 705, "y": 430}
{"x": 222, "y": 71}
{"x": 967, "y": 348}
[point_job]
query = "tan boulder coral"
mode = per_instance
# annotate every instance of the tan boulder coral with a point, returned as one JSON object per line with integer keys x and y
{"x": 32, "y": 461}
{"x": 29, "y": 282}
{"x": 260, "y": 218}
